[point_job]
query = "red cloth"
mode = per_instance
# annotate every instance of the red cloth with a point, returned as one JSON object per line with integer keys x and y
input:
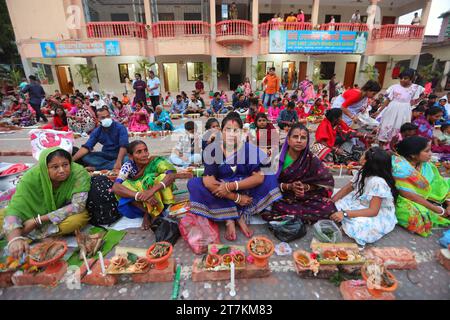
{"x": 351, "y": 96}
{"x": 301, "y": 112}
{"x": 57, "y": 123}
{"x": 67, "y": 105}
{"x": 251, "y": 118}
{"x": 270, "y": 129}
{"x": 326, "y": 134}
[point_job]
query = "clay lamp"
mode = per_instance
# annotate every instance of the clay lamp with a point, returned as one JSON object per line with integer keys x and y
{"x": 212, "y": 260}
{"x": 260, "y": 248}
{"x": 329, "y": 255}
{"x": 159, "y": 254}
{"x": 238, "y": 258}
{"x": 302, "y": 258}
{"x": 227, "y": 259}
{"x": 388, "y": 283}
{"x": 342, "y": 255}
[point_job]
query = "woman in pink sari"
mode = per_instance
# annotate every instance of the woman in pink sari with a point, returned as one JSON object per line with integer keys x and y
{"x": 139, "y": 119}
{"x": 307, "y": 89}
{"x": 247, "y": 87}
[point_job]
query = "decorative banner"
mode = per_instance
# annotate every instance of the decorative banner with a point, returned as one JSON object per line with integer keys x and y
{"x": 80, "y": 48}
{"x": 285, "y": 41}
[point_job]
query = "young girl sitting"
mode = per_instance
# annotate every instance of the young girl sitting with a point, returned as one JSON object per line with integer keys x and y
{"x": 264, "y": 134}
{"x": 274, "y": 111}
{"x": 367, "y": 204}
{"x": 59, "y": 120}
{"x": 139, "y": 119}
{"x": 301, "y": 112}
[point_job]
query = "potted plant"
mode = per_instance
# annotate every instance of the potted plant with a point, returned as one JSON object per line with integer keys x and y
{"x": 159, "y": 254}
{"x": 86, "y": 73}
{"x": 143, "y": 66}
{"x": 378, "y": 279}
{"x": 207, "y": 73}
{"x": 260, "y": 248}
{"x": 371, "y": 72}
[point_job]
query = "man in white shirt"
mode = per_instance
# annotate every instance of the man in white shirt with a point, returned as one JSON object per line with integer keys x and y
{"x": 153, "y": 84}
{"x": 90, "y": 93}
{"x": 356, "y": 17}
{"x": 416, "y": 20}
{"x": 194, "y": 106}
{"x": 447, "y": 106}
{"x": 98, "y": 103}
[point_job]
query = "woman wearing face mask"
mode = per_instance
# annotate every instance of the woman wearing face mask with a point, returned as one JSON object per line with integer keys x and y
{"x": 423, "y": 202}
{"x": 233, "y": 186}
{"x": 80, "y": 119}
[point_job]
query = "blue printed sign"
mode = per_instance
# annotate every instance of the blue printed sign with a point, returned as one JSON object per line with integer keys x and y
{"x": 285, "y": 41}
{"x": 80, "y": 48}
{"x": 48, "y": 49}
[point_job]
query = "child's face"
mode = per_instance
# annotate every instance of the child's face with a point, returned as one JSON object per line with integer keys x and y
{"x": 447, "y": 130}
{"x": 241, "y": 98}
{"x": 417, "y": 114}
{"x": 59, "y": 112}
{"x": 215, "y": 126}
{"x": 23, "y": 107}
{"x": 443, "y": 102}
{"x": 409, "y": 133}
{"x": 435, "y": 117}
{"x": 262, "y": 123}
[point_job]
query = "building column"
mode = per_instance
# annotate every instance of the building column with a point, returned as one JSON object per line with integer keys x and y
{"x": 95, "y": 81}
{"x": 414, "y": 62}
{"x": 315, "y": 13}
{"x": 214, "y": 73}
{"x": 148, "y": 12}
{"x": 255, "y": 18}
{"x": 445, "y": 77}
{"x": 254, "y": 76}
{"x": 361, "y": 77}
{"x": 212, "y": 14}
{"x": 74, "y": 11}
{"x": 425, "y": 13}
{"x": 26, "y": 66}
{"x": 309, "y": 66}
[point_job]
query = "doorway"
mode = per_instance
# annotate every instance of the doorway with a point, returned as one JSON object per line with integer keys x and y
{"x": 381, "y": 67}
{"x": 288, "y": 74}
{"x": 171, "y": 77}
{"x": 64, "y": 79}
{"x": 302, "y": 71}
{"x": 349, "y": 78}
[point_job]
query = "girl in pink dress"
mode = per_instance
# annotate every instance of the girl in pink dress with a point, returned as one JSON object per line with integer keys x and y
{"x": 247, "y": 87}
{"x": 139, "y": 119}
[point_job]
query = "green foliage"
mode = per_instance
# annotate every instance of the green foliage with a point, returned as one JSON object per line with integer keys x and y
{"x": 15, "y": 76}
{"x": 8, "y": 48}
{"x": 86, "y": 73}
{"x": 132, "y": 257}
{"x": 207, "y": 74}
{"x": 224, "y": 250}
{"x": 144, "y": 66}
{"x": 371, "y": 72}
{"x": 339, "y": 277}
{"x": 428, "y": 73}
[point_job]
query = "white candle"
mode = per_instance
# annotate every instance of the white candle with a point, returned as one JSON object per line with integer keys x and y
{"x": 340, "y": 172}
{"x": 86, "y": 263}
{"x": 102, "y": 263}
{"x": 232, "y": 285}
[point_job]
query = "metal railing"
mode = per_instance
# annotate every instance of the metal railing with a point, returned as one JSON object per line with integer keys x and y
{"x": 125, "y": 29}
{"x": 397, "y": 31}
{"x": 172, "y": 29}
{"x": 264, "y": 28}
{"x": 234, "y": 28}
{"x": 358, "y": 27}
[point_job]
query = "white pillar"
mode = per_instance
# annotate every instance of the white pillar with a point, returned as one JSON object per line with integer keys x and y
{"x": 445, "y": 77}
{"x": 214, "y": 73}
{"x": 254, "y": 77}
{"x": 425, "y": 13}
{"x": 309, "y": 66}
{"x": 212, "y": 14}
{"x": 414, "y": 62}
{"x": 361, "y": 77}
{"x": 26, "y": 66}
{"x": 255, "y": 11}
{"x": 148, "y": 12}
{"x": 315, "y": 12}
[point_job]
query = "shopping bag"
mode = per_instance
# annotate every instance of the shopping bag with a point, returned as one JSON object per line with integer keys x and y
{"x": 199, "y": 232}
{"x": 42, "y": 139}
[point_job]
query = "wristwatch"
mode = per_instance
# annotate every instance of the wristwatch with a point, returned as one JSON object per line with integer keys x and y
{"x": 345, "y": 213}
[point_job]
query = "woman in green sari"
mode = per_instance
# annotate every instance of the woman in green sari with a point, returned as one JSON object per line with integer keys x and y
{"x": 424, "y": 200}
{"x": 144, "y": 185}
{"x": 50, "y": 200}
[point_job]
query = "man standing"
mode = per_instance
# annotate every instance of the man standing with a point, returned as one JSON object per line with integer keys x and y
{"x": 234, "y": 13}
{"x": 416, "y": 20}
{"x": 36, "y": 94}
{"x": 153, "y": 88}
{"x": 356, "y": 17}
{"x": 114, "y": 138}
{"x": 272, "y": 86}
{"x": 139, "y": 86}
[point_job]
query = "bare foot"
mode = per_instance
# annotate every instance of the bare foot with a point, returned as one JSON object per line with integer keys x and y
{"x": 230, "y": 233}
{"x": 244, "y": 228}
{"x": 147, "y": 222}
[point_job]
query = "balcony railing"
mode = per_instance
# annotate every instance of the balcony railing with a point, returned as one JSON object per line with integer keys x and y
{"x": 234, "y": 28}
{"x": 172, "y": 29}
{"x": 397, "y": 31}
{"x": 358, "y": 27}
{"x": 264, "y": 28}
{"x": 116, "y": 29}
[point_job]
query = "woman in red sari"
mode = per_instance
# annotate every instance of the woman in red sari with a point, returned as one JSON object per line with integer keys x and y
{"x": 328, "y": 130}
{"x": 59, "y": 120}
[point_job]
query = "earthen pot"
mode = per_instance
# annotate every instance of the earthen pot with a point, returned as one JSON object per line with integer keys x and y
{"x": 160, "y": 263}
{"x": 378, "y": 291}
{"x": 261, "y": 260}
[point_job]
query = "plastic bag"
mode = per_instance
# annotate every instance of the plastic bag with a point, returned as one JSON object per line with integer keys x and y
{"x": 327, "y": 231}
{"x": 199, "y": 232}
{"x": 45, "y": 139}
{"x": 288, "y": 229}
{"x": 166, "y": 229}
{"x": 445, "y": 240}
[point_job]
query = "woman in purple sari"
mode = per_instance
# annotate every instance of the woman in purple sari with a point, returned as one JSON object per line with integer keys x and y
{"x": 307, "y": 89}
{"x": 305, "y": 182}
{"x": 233, "y": 186}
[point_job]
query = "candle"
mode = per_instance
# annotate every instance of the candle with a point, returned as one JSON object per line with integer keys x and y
{"x": 102, "y": 263}
{"x": 340, "y": 172}
{"x": 232, "y": 285}
{"x": 86, "y": 263}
